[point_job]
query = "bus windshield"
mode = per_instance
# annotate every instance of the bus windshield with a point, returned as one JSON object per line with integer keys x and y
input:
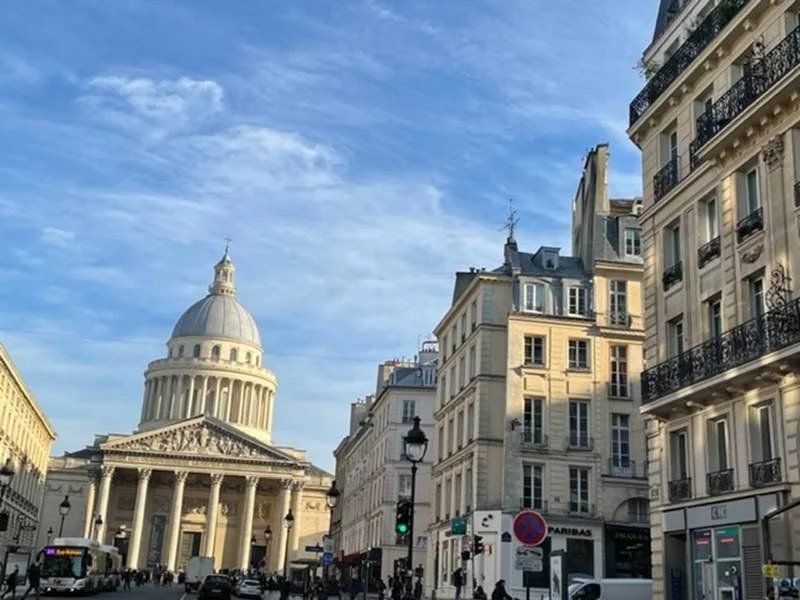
{"x": 61, "y": 561}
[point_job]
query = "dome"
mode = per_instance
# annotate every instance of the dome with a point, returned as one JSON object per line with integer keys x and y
{"x": 218, "y": 316}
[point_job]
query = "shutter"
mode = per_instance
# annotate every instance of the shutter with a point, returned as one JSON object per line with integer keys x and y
{"x": 751, "y": 564}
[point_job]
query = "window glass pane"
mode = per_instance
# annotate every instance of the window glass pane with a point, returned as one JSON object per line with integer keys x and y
{"x": 752, "y": 191}
{"x": 765, "y": 429}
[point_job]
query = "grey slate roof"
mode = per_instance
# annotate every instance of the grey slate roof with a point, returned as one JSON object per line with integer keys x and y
{"x": 218, "y": 316}
{"x": 570, "y": 267}
{"x": 407, "y": 377}
{"x": 667, "y": 10}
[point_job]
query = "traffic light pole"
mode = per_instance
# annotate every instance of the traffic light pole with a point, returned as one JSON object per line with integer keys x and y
{"x": 409, "y": 559}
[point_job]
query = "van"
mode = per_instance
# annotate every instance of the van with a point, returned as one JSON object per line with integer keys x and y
{"x": 607, "y": 589}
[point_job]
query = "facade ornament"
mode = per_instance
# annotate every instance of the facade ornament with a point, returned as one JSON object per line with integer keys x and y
{"x": 263, "y": 509}
{"x": 194, "y": 506}
{"x": 251, "y": 481}
{"x": 751, "y": 255}
{"x": 198, "y": 440}
{"x": 161, "y": 504}
{"x": 181, "y": 476}
{"x": 145, "y": 473}
{"x": 772, "y": 152}
{"x": 779, "y": 293}
{"x": 107, "y": 471}
{"x": 216, "y": 479}
{"x": 297, "y": 486}
{"x": 313, "y": 506}
{"x": 286, "y": 484}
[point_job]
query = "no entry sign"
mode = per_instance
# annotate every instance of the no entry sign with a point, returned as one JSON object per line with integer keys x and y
{"x": 530, "y": 528}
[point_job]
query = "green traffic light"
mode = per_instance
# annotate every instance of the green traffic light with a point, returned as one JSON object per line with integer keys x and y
{"x": 402, "y": 528}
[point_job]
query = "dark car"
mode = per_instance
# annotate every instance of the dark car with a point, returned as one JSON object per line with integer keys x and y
{"x": 215, "y": 586}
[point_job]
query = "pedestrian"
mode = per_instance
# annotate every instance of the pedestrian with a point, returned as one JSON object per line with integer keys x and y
{"x": 458, "y": 582}
{"x": 500, "y": 592}
{"x": 381, "y": 589}
{"x": 34, "y": 579}
{"x": 418, "y": 589}
{"x": 11, "y": 584}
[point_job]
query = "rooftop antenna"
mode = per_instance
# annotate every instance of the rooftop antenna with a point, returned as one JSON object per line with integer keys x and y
{"x": 511, "y": 221}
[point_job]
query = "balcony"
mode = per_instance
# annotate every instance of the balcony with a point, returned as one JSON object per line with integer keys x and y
{"x": 765, "y": 472}
{"x": 774, "y": 330}
{"x": 708, "y": 252}
{"x": 665, "y": 179}
{"x": 680, "y": 489}
{"x": 763, "y": 74}
{"x": 698, "y": 40}
{"x": 626, "y": 468}
{"x": 750, "y": 224}
{"x": 533, "y": 440}
{"x": 672, "y": 275}
{"x": 579, "y": 441}
{"x": 719, "y": 482}
{"x": 620, "y": 390}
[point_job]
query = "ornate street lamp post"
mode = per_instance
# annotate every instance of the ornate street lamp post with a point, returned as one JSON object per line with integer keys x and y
{"x": 332, "y": 497}
{"x": 6, "y": 475}
{"x": 267, "y": 538}
{"x": 63, "y": 510}
{"x": 49, "y": 535}
{"x": 250, "y": 558}
{"x": 415, "y": 445}
{"x": 288, "y": 521}
{"x": 98, "y": 523}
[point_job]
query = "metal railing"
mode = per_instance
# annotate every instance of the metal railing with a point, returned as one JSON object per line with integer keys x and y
{"x": 750, "y": 224}
{"x": 531, "y": 503}
{"x": 672, "y": 275}
{"x": 765, "y": 472}
{"x": 665, "y": 179}
{"x": 625, "y": 467}
{"x": 774, "y": 330}
{"x": 698, "y": 40}
{"x": 680, "y": 489}
{"x": 719, "y": 482}
{"x": 619, "y": 318}
{"x": 581, "y": 509}
{"x": 797, "y": 194}
{"x": 579, "y": 441}
{"x": 708, "y": 252}
{"x": 764, "y": 72}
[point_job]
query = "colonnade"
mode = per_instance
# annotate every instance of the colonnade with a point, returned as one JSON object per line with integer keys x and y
{"x": 175, "y": 397}
{"x": 290, "y": 495}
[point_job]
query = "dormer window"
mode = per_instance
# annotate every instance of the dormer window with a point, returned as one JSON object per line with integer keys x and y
{"x": 533, "y": 297}
{"x": 577, "y": 304}
{"x": 550, "y": 259}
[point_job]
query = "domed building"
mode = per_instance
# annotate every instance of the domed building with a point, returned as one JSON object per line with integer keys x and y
{"x": 200, "y": 475}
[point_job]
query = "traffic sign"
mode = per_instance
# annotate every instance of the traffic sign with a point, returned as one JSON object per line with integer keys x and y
{"x": 314, "y": 548}
{"x": 769, "y": 570}
{"x": 327, "y": 559}
{"x": 458, "y": 526}
{"x": 530, "y": 528}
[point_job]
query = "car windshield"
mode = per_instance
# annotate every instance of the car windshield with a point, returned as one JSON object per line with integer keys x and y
{"x": 216, "y": 579}
{"x": 250, "y": 582}
{"x": 573, "y": 587}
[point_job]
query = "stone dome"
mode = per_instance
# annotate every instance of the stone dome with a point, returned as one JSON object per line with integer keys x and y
{"x": 218, "y": 316}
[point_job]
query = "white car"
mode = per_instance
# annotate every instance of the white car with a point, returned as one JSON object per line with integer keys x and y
{"x": 249, "y": 588}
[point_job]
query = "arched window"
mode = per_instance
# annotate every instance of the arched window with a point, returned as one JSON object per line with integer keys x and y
{"x": 196, "y": 351}
{"x": 215, "y": 352}
{"x": 257, "y": 360}
{"x": 180, "y": 351}
{"x": 249, "y": 357}
{"x": 234, "y": 355}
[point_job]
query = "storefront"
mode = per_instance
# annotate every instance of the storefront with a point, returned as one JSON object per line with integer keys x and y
{"x": 720, "y": 546}
{"x": 627, "y": 552}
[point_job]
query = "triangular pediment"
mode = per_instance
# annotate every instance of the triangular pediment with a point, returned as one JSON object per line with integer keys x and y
{"x": 199, "y": 437}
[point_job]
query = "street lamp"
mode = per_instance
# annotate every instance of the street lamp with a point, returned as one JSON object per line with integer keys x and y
{"x": 288, "y": 521}
{"x": 267, "y": 538}
{"x": 98, "y": 523}
{"x": 49, "y": 535}
{"x": 6, "y": 475}
{"x": 415, "y": 445}
{"x": 63, "y": 510}
{"x": 332, "y": 496}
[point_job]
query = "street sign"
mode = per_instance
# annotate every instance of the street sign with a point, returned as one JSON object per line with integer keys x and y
{"x": 529, "y": 558}
{"x": 327, "y": 544}
{"x": 530, "y": 528}
{"x": 327, "y": 559}
{"x": 314, "y": 548}
{"x": 769, "y": 570}
{"x": 458, "y": 526}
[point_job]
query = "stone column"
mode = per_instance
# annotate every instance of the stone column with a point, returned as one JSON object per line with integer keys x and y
{"x": 138, "y": 517}
{"x": 212, "y": 513}
{"x": 145, "y": 402}
{"x": 246, "y": 529}
{"x": 175, "y": 519}
{"x": 187, "y": 410}
{"x": 218, "y": 399}
{"x": 285, "y": 498}
{"x": 297, "y": 496}
{"x": 102, "y": 507}
{"x": 91, "y": 489}
{"x": 204, "y": 396}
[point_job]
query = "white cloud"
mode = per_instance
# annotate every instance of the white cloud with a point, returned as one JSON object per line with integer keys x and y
{"x": 57, "y": 237}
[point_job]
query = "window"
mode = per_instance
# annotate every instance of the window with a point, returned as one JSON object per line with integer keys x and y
{"x": 248, "y": 358}
{"x": 638, "y": 510}
{"x": 470, "y": 420}
{"x": 453, "y": 338}
{"x": 453, "y": 381}
{"x": 710, "y": 219}
{"x": 678, "y": 448}
{"x": 462, "y": 372}
{"x": 633, "y": 242}
{"x": 751, "y": 201}
{"x": 718, "y": 444}
{"x": 451, "y": 437}
{"x": 443, "y": 388}
{"x": 675, "y": 337}
{"x": 577, "y": 301}
{"x": 180, "y": 351}
{"x": 578, "y": 354}
{"x": 215, "y": 351}
{"x": 579, "y": 490}
{"x": 579, "y": 424}
{"x": 444, "y": 348}
{"x": 618, "y": 301}
{"x": 620, "y": 444}
{"x": 714, "y": 310}
{"x": 234, "y": 355}
{"x": 534, "y": 350}
{"x": 761, "y": 427}
{"x": 619, "y": 371}
{"x": 460, "y": 428}
{"x": 438, "y": 501}
{"x": 672, "y": 246}
{"x": 196, "y": 351}
{"x": 532, "y": 486}
{"x": 473, "y": 364}
{"x": 533, "y": 297}
{"x": 533, "y": 421}
{"x": 441, "y": 442}
{"x": 757, "y": 303}
{"x": 473, "y": 315}
{"x": 409, "y": 410}
{"x": 404, "y": 485}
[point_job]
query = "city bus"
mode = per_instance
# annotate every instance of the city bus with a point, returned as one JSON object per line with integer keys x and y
{"x": 73, "y": 565}
{"x": 111, "y": 565}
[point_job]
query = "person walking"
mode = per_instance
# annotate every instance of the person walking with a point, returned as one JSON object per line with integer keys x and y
{"x": 11, "y": 584}
{"x": 34, "y": 580}
{"x": 458, "y": 582}
{"x": 500, "y": 592}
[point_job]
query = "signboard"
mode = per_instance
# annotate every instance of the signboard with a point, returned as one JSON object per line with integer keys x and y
{"x": 315, "y": 548}
{"x": 556, "y": 576}
{"x": 327, "y": 544}
{"x": 770, "y": 571}
{"x": 506, "y": 537}
{"x": 458, "y": 526}
{"x": 327, "y": 559}
{"x": 530, "y": 528}
{"x": 529, "y": 558}
{"x": 18, "y": 559}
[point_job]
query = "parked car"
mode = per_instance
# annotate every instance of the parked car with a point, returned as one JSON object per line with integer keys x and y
{"x": 248, "y": 588}
{"x": 214, "y": 587}
{"x": 606, "y": 589}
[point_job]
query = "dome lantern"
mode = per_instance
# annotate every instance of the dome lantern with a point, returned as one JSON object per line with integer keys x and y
{"x": 223, "y": 276}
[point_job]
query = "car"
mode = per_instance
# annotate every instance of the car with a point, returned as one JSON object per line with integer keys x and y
{"x": 213, "y": 587}
{"x": 248, "y": 588}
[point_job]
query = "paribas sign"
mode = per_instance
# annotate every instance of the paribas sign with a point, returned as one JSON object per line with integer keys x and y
{"x": 570, "y": 531}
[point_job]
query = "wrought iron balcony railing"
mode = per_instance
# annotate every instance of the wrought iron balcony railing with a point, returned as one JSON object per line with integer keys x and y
{"x": 797, "y": 194}
{"x": 625, "y": 467}
{"x": 708, "y": 252}
{"x": 680, "y": 489}
{"x": 698, "y": 40}
{"x": 619, "y": 318}
{"x": 765, "y": 472}
{"x": 665, "y": 179}
{"x": 774, "y": 330}
{"x": 750, "y": 224}
{"x": 762, "y": 75}
{"x": 719, "y": 482}
{"x": 581, "y": 509}
{"x": 672, "y": 275}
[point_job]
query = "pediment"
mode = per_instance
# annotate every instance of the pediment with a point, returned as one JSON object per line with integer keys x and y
{"x": 198, "y": 437}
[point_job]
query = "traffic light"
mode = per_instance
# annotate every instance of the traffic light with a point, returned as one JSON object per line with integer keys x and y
{"x": 402, "y": 521}
{"x": 477, "y": 544}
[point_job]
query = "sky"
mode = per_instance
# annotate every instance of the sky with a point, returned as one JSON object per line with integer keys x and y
{"x": 357, "y": 153}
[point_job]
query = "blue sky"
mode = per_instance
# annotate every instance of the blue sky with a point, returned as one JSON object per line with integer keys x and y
{"x": 358, "y": 153}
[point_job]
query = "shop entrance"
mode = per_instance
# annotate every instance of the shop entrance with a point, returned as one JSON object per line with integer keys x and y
{"x": 717, "y": 560}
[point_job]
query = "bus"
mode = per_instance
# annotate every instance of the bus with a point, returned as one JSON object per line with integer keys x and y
{"x": 111, "y": 566}
{"x": 74, "y": 565}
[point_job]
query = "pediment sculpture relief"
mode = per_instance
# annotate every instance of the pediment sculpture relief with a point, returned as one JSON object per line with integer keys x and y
{"x": 201, "y": 440}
